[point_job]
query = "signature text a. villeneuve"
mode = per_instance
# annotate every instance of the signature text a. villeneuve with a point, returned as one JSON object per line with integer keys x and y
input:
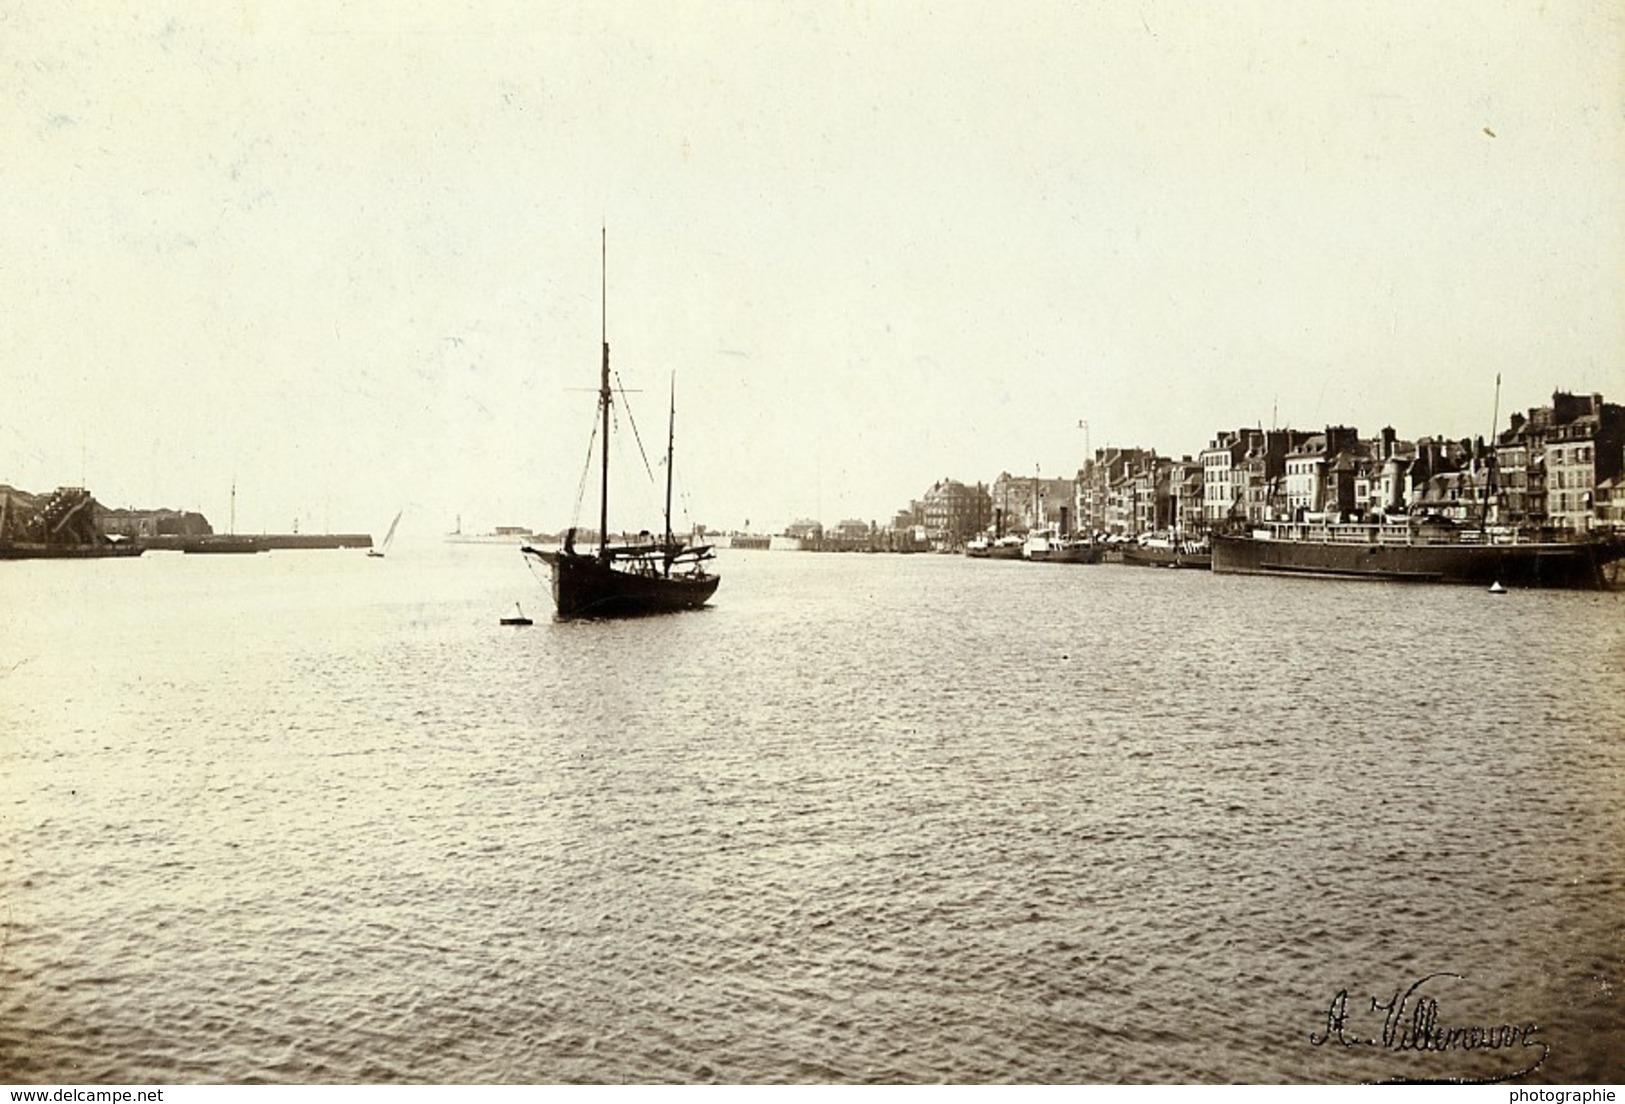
{"x": 1411, "y": 1021}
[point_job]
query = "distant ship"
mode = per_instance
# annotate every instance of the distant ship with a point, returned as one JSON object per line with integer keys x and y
{"x": 1431, "y": 550}
{"x": 223, "y": 544}
{"x": 1075, "y": 550}
{"x": 227, "y": 543}
{"x": 1048, "y": 546}
{"x": 1003, "y": 548}
{"x": 502, "y": 534}
{"x": 1168, "y": 552}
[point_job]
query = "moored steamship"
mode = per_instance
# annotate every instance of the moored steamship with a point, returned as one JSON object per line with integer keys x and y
{"x": 1431, "y": 550}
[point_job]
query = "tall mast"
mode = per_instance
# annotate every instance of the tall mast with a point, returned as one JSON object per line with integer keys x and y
{"x": 1489, "y": 461}
{"x": 603, "y": 389}
{"x": 671, "y": 436}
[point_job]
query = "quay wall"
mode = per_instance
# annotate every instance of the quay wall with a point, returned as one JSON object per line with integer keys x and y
{"x": 264, "y": 541}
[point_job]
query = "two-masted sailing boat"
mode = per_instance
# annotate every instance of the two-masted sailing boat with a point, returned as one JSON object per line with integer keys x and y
{"x": 636, "y": 578}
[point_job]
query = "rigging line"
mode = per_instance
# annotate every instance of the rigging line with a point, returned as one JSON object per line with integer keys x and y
{"x": 619, "y": 433}
{"x": 688, "y": 508}
{"x": 531, "y": 566}
{"x": 683, "y": 497}
{"x": 633, "y": 422}
{"x": 616, "y": 439}
{"x": 581, "y": 488}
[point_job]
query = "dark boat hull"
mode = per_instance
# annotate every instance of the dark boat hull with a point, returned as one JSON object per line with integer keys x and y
{"x": 1076, "y": 554}
{"x": 223, "y": 545}
{"x": 996, "y": 552}
{"x": 1166, "y": 557}
{"x": 585, "y": 586}
{"x": 1571, "y": 566}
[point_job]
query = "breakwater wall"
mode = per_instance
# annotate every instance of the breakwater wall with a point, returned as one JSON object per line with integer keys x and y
{"x": 261, "y": 542}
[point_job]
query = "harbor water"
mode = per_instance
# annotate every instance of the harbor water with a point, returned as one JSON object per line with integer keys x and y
{"x": 315, "y": 817}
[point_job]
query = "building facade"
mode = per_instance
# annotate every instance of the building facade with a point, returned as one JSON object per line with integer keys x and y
{"x": 952, "y": 512}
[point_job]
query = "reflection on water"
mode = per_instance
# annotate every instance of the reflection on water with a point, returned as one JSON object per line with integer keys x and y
{"x": 314, "y": 817}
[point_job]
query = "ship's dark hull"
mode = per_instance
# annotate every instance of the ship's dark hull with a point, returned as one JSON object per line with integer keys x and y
{"x": 995, "y": 552}
{"x": 1573, "y": 566}
{"x": 585, "y": 586}
{"x": 223, "y": 545}
{"x": 1139, "y": 556}
{"x": 1075, "y": 554}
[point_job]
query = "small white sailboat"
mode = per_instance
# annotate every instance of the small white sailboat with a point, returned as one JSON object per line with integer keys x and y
{"x": 388, "y": 537}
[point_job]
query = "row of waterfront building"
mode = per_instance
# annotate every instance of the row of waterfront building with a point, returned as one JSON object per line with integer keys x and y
{"x": 1557, "y": 468}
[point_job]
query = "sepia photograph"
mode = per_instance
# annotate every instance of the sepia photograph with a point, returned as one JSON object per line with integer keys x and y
{"x": 811, "y": 543}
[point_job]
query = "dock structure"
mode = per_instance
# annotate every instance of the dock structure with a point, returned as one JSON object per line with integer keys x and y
{"x": 261, "y": 542}
{"x": 60, "y": 525}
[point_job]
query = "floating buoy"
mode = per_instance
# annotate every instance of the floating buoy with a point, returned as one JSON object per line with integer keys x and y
{"x": 1497, "y": 588}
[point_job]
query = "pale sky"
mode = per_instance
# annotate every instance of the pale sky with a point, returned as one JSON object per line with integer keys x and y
{"x": 347, "y": 255}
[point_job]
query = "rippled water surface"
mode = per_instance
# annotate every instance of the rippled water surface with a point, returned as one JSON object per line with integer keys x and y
{"x": 308, "y": 816}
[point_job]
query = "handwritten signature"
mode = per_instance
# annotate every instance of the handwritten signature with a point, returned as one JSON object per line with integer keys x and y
{"x": 1411, "y": 1022}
